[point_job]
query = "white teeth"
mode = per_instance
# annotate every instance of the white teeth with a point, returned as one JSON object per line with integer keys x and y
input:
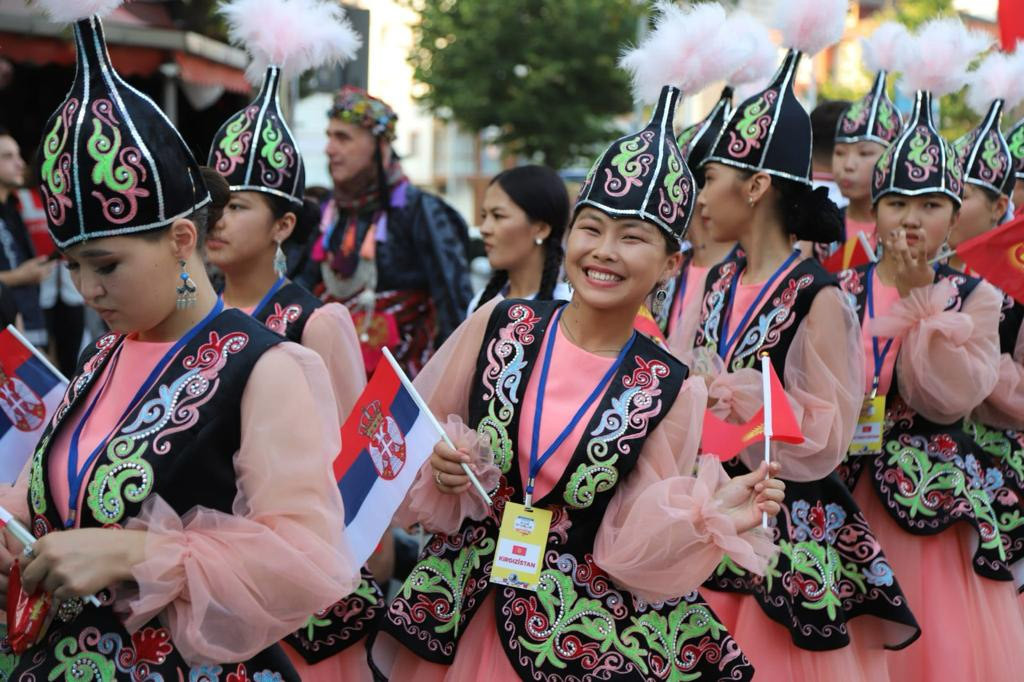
{"x": 603, "y": 276}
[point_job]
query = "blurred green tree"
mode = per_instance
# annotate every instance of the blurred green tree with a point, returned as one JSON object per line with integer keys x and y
{"x": 542, "y": 73}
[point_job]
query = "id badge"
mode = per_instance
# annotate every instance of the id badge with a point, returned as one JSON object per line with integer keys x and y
{"x": 522, "y": 541}
{"x": 867, "y": 439}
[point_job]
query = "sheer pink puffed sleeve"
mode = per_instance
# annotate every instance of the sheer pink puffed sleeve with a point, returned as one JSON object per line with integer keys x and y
{"x": 948, "y": 359}
{"x": 229, "y": 585}
{"x": 663, "y": 532}
{"x": 329, "y": 331}
{"x": 680, "y": 340}
{"x": 824, "y": 379}
{"x": 1004, "y": 407}
{"x": 445, "y": 383}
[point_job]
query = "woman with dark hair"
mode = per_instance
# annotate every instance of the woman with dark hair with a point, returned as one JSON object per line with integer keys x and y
{"x": 266, "y": 209}
{"x": 177, "y": 534}
{"x": 525, "y": 213}
{"x": 804, "y": 620}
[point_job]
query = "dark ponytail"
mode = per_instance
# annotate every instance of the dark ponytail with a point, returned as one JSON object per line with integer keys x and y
{"x": 541, "y": 194}
{"x": 807, "y": 214}
{"x": 307, "y": 216}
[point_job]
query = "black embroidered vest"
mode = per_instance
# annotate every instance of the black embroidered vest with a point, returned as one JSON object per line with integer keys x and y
{"x": 347, "y": 621}
{"x": 178, "y": 443}
{"x": 930, "y": 476}
{"x": 578, "y": 625}
{"x": 288, "y": 310}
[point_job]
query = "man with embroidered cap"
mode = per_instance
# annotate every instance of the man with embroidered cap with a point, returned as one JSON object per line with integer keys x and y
{"x": 396, "y": 255}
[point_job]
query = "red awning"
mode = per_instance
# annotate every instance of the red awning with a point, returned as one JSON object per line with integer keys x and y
{"x": 129, "y": 60}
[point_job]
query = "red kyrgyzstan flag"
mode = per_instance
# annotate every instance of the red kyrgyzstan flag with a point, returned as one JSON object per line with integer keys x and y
{"x": 998, "y": 256}
{"x": 725, "y": 440}
{"x": 855, "y": 251}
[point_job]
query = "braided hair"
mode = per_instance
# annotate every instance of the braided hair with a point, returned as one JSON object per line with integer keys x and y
{"x": 541, "y": 194}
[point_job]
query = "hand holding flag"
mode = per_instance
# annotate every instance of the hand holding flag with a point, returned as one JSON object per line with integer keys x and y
{"x": 384, "y": 442}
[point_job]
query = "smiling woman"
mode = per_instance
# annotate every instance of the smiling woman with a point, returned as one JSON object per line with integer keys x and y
{"x": 164, "y": 482}
{"x": 594, "y": 431}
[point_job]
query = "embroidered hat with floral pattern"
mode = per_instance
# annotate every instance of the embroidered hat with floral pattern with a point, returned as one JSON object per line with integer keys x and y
{"x": 358, "y": 107}
{"x": 771, "y": 131}
{"x": 643, "y": 175}
{"x": 997, "y": 84}
{"x": 873, "y": 117}
{"x": 755, "y": 61}
{"x": 920, "y": 160}
{"x": 255, "y": 150}
{"x": 111, "y": 163}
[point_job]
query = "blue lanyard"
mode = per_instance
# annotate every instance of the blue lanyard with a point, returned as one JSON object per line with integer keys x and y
{"x": 77, "y": 476}
{"x": 535, "y": 462}
{"x": 879, "y": 354}
{"x": 727, "y": 341}
{"x": 269, "y": 295}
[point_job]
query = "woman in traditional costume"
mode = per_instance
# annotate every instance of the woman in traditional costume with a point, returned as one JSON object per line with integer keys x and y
{"x": 631, "y": 520}
{"x": 829, "y": 604}
{"x": 257, "y": 155}
{"x": 932, "y": 496}
{"x": 163, "y": 484}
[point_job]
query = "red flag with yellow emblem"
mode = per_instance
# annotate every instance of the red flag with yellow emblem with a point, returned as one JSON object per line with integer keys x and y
{"x": 998, "y": 256}
{"x": 725, "y": 440}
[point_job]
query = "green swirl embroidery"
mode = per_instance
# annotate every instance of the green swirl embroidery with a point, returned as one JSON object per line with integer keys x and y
{"x": 53, "y": 145}
{"x": 434, "y": 575}
{"x": 567, "y": 614}
{"x": 671, "y": 181}
{"x": 231, "y": 145}
{"x": 687, "y": 136}
{"x": 36, "y": 487}
{"x": 921, "y": 155}
{"x": 104, "y": 151}
{"x": 83, "y": 666}
{"x": 823, "y": 564}
{"x": 271, "y": 146}
{"x": 990, "y": 155}
{"x": 1016, "y": 143}
{"x": 667, "y": 637}
{"x": 996, "y": 443}
{"x": 747, "y": 125}
{"x": 627, "y": 162}
{"x": 886, "y": 118}
{"x": 115, "y": 482}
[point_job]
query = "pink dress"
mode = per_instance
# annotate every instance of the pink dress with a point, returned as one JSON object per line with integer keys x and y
{"x": 824, "y": 376}
{"x": 682, "y": 325}
{"x": 972, "y": 627}
{"x": 660, "y": 514}
{"x": 270, "y": 562}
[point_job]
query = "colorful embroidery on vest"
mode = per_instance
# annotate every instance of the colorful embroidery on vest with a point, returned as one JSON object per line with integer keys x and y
{"x": 128, "y": 476}
{"x": 767, "y": 331}
{"x": 633, "y": 409}
{"x": 279, "y": 320}
{"x": 501, "y": 381}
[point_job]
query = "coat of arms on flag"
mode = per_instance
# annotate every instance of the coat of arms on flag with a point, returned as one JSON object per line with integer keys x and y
{"x": 30, "y": 390}
{"x": 386, "y": 443}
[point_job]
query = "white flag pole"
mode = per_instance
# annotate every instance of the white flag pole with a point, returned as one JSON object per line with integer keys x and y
{"x": 766, "y": 389}
{"x": 433, "y": 420}
{"x": 35, "y": 351}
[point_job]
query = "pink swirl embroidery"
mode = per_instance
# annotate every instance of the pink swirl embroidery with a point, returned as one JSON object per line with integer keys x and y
{"x": 279, "y": 320}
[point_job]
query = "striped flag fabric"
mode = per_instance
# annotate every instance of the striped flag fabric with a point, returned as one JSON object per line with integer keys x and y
{"x": 30, "y": 390}
{"x": 384, "y": 442}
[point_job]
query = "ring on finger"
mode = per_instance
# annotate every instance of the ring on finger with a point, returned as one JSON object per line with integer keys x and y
{"x": 29, "y": 552}
{"x": 437, "y": 477}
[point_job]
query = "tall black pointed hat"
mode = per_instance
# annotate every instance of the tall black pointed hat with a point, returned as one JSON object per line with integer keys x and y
{"x": 920, "y": 160}
{"x": 111, "y": 163}
{"x": 771, "y": 131}
{"x": 643, "y": 175}
{"x": 874, "y": 117}
{"x": 996, "y": 85}
{"x": 697, "y": 140}
{"x": 254, "y": 149}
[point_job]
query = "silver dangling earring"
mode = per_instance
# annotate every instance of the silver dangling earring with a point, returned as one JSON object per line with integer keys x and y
{"x": 187, "y": 290}
{"x": 280, "y": 261}
{"x": 660, "y": 296}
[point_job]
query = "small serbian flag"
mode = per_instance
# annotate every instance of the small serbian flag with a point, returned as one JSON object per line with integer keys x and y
{"x": 855, "y": 251}
{"x": 30, "y": 390}
{"x": 998, "y": 256}
{"x": 726, "y": 440}
{"x": 384, "y": 442}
